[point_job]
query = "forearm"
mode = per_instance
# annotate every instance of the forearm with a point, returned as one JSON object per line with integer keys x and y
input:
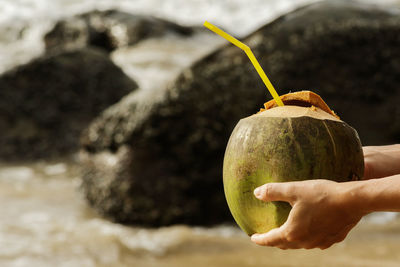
{"x": 373, "y": 195}
{"x": 381, "y": 161}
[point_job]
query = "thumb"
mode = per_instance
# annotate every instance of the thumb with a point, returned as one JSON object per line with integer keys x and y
{"x": 276, "y": 192}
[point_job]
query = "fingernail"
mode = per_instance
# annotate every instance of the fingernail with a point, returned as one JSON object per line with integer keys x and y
{"x": 257, "y": 192}
{"x": 254, "y": 237}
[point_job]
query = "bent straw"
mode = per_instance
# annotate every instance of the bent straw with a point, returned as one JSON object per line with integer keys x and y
{"x": 252, "y": 58}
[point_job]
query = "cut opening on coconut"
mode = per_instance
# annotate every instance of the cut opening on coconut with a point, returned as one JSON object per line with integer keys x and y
{"x": 301, "y": 99}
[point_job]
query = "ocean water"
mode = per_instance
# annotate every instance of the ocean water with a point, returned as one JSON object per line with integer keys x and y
{"x": 44, "y": 220}
{"x": 24, "y": 22}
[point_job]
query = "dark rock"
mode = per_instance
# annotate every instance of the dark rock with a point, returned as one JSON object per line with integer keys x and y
{"x": 348, "y": 54}
{"x": 108, "y": 30}
{"x": 45, "y": 104}
{"x": 156, "y": 158}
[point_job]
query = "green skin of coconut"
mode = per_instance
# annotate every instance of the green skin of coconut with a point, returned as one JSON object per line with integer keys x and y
{"x": 285, "y": 144}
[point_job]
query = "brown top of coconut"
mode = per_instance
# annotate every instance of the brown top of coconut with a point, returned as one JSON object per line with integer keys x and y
{"x": 296, "y": 111}
{"x": 310, "y": 100}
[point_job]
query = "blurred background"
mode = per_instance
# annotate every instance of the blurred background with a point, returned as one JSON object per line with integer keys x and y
{"x": 114, "y": 116}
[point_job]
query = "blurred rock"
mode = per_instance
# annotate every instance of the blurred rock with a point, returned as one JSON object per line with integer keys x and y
{"x": 108, "y": 30}
{"x": 45, "y": 104}
{"x": 346, "y": 52}
{"x": 155, "y": 158}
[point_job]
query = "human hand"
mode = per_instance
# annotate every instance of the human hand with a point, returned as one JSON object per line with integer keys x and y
{"x": 381, "y": 161}
{"x": 322, "y": 214}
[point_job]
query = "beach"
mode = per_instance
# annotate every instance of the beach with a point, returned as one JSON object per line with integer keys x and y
{"x": 45, "y": 219}
{"x": 46, "y": 222}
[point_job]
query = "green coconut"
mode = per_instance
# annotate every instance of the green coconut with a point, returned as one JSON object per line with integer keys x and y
{"x": 302, "y": 140}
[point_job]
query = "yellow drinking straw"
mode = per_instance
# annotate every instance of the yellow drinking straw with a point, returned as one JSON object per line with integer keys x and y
{"x": 251, "y": 56}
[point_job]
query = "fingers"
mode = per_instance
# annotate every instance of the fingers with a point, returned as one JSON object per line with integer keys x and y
{"x": 272, "y": 238}
{"x": 315, "y": 220}
{"x": 275, "y": 238}
{"x": 279, "y": 238}
{"x": 290, "y": 236}
{"x": 276, "y": 192}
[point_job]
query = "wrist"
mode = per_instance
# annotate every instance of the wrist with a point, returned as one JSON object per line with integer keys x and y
{"x": 355, "y": 197}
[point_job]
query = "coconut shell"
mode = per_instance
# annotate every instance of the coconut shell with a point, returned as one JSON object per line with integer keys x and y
{"x": 282, "y": 144}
